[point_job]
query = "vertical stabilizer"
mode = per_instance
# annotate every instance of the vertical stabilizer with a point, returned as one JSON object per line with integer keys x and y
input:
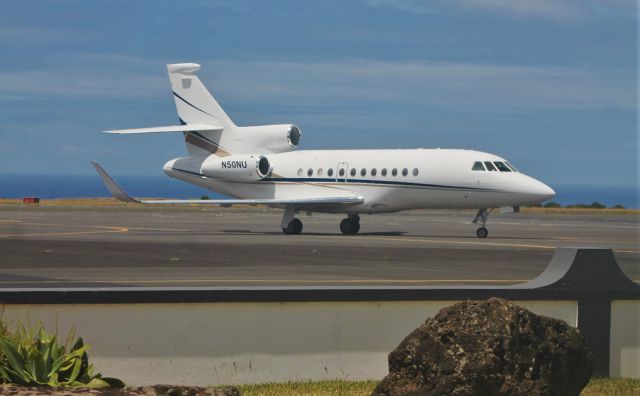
{"x": 195, "y": 105}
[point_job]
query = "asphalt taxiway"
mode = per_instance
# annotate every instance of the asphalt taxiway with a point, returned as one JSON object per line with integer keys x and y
{"x": 196, "y": 246}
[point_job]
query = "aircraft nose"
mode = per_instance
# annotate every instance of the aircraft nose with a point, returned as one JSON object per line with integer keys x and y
{"x": 542, "y": 191}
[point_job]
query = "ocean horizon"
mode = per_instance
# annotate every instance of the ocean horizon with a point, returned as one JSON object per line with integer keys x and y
{"x": 89, "y": 186}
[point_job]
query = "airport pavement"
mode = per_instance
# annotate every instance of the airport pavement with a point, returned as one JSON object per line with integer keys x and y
{"x": 195, "y": 246}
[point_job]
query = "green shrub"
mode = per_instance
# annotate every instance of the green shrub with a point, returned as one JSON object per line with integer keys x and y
{"x": 204, "y": 197}
{"x": 31, "y": 357}
{"x": 552, "y": 204}
{"x": 618, "y": 206}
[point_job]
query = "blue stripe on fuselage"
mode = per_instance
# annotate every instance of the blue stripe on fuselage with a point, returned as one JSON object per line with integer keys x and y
{"x": 360, "y": 181}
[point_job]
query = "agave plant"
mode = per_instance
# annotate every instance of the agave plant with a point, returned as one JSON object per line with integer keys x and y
{"x": 30, "y": 356}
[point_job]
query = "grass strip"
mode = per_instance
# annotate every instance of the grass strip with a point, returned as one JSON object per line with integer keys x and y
{"x": 596, "y": 387}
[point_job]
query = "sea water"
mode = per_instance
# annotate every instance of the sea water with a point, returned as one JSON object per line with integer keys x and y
{"x": 56, "y": 186}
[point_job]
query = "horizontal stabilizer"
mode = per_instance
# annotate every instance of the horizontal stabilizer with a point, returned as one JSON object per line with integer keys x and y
{"x": 169, "y": 129}
{"x": 121, "y": 195}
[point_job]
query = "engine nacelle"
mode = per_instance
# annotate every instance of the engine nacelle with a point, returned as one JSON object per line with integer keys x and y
{"x": 273, "y": 138}
{"x": 239, "y": 168}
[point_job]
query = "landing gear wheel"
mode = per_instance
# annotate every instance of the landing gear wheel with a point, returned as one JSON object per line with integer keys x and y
{"x": 293, "y": 228}
{"x": 350, "y": 226}
{"x": 482, "y": 232}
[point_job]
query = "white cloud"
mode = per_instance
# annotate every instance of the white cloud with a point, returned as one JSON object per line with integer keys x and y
{"x": 565, "y": 10}
{"x": 421, "y": 83}
{"x": 79, "y": 83}
{"x": 415, "y": 6}
{"x": 348, "y": 84}
{"x": 13, "y": 35}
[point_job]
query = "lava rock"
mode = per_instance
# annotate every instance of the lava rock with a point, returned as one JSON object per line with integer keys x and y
{"x": 488, "y": 347}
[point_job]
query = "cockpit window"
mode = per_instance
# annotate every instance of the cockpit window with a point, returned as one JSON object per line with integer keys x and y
{"x": 513, "y": 168}
{"x": 502, "y": 167}
{"x": 490, "y": 166}
{"x": 477, "y": 166}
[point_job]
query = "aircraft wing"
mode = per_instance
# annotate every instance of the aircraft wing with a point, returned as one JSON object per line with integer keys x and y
{"x": 122, "y": 195}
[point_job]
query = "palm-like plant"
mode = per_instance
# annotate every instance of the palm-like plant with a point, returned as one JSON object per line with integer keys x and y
{"x": 30, "y": 356}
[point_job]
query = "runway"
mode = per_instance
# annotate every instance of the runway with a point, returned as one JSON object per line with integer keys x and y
{"x": 195, "y": 246}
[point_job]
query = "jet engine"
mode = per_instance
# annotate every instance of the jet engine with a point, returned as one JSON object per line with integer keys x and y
{"x": 237, "y": 168}
{"x": 274, "y": 138}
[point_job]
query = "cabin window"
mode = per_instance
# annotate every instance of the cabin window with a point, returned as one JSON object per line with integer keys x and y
{"x": 300, "y": 172}
{"x": 490, "y": 166}
{"x": 477, "y": 166}
{"x": 341, "y": 172}
{"x": 320, "y": 172}
{"x": 330, "y": 172}
{"x": 310, "y": 172}
{"x": 353, "y": 171}
{"x": 394, "y": 172}
{"x": 415, "y": 171}
{"x": 502, "y": 167}
{"x": 405, "y": 172}
{"x": 363, "y": 172}
{"x": 384, "y": 171}
{"x": 513, "y": 168}
{"x": 374, "y": 172}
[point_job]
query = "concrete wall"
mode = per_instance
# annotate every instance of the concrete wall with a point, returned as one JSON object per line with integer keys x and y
{"x": 233, "y": 343}
{"x": 625, "y": 339}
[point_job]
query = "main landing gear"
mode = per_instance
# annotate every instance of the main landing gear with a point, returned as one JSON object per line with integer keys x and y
{"x": 350, "y": 225}
{"x": 482, "y": 217}
{"x": 293, "y": 228}
{"x": 290, "y": 225}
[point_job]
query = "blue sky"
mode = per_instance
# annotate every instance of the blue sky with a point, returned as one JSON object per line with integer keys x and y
{"x": 551, "y": 85}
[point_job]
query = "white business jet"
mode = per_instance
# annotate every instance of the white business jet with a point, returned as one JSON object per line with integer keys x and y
{"x": 258, "y": 165}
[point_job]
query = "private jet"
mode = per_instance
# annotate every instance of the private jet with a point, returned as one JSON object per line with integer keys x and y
{"x": 259, "y": 165}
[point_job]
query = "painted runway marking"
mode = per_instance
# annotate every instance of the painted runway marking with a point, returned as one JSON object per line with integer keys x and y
{"x": 104, "y": 229}
{"x": 285, "y": 281}
{"x": 533, "y": 223}
{"x": 504, "y": 244}
{"x": 158, "y": 229}
{"x": 425, "y": 282}
{"x": 407, "y": 239}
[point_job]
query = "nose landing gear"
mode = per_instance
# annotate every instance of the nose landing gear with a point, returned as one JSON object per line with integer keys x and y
{"x": 350, "y": 225}
{"x": 482, "y": 217}
{"x": 482, "y": 232}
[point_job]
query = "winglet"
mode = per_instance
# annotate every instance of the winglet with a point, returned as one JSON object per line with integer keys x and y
{"x": 112, "y": 186}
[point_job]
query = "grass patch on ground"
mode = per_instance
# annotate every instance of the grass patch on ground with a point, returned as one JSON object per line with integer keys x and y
{"x": 606, "y": 211}
{"x": 597, "y": 387}
{"x": 311, "y": 388}
{"x": 612, "y": 386}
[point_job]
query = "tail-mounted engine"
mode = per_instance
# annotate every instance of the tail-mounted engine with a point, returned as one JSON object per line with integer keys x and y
{"x": 238, "y": 168}
{"x": 273, "y": 138}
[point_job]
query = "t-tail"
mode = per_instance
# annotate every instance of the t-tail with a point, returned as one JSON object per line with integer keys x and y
{"x": 208, "y": 130}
